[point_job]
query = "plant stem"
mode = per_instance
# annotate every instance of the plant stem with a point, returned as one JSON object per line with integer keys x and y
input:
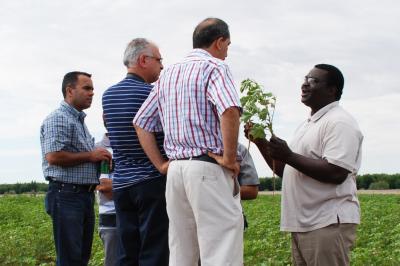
{"x": 273, "y": 177}
{"x": 273, "y": 170}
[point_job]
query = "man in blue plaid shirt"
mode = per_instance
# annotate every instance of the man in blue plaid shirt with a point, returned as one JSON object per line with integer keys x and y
{"x": 70, "y": 166}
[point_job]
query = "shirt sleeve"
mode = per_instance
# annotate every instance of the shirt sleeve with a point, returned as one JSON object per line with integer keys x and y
{"x": 55, "y": 134}
{"x": 221, "y": 89}
{"x": 148, "y": 117}
{"x": 105, "y": 176}
{"x": 248, "y": 174}
{"x": 342, "y": 146}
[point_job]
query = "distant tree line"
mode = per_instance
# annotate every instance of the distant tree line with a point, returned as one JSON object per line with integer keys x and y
{"x": 378, "y": 181}
{"x": 19, "y": 188}
{"x": 267, "y": 183}
{"x": 367, "y": 181}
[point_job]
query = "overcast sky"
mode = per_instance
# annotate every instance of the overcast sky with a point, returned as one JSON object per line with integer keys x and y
{"x": 274, "y": 42}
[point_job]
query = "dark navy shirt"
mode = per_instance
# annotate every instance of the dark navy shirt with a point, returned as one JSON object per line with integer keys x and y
{"x": 120, "y": 105}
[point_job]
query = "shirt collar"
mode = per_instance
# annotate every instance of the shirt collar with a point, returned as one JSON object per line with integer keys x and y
{"x": 135, "y": 76}
{"x": 321, "y": 112}
{"x": 200, "y": 52}
{"x": 80, "y": 115}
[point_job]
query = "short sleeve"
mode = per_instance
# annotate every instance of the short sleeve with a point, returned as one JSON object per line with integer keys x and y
{"x": 342, "y": 146}
{"x": 248, "y": 174}
{"x": 148, "y": 115}
{"x": 221, "y": 90}
{"x": 55, "y": 134}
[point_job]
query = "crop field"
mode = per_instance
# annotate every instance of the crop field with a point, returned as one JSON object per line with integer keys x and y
{"x": 26, "y": 235}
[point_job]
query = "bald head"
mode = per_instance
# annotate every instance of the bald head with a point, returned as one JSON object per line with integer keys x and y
{"x": 208, "y": 31}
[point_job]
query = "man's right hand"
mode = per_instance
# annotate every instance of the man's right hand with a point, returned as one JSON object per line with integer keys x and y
{"x": 259, "y": 142}
{"x": 264, "y": 146}
{"x": 100, "y": 154}
{"x": 163, "y": 168}
{"x": 105, "y": 187}
{"x": 233, "y": 166}
{"x": 247, "y": 128}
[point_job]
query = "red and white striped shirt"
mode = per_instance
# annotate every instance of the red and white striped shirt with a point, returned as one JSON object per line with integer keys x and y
{"x": 188, "y": 100}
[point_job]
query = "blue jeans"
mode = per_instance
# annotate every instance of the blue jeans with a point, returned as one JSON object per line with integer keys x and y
{"x": 73, "y": 220}
{"x": 142, "y": 223}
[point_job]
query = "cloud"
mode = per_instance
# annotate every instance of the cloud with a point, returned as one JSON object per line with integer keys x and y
{"x": 377, "y": 118}
{"x": 274, "y": 42}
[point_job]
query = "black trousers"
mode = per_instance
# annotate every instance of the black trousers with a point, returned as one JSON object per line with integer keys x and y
{"x": 142, "y": 223}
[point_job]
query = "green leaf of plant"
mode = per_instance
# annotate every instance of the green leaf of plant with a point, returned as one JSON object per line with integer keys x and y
{"x": 263, "y": 114}
{"x": 246, "y": 116}
{"x": 257, "y": 131}
{"x": 244, "y": 100}
{"x": 258, "y": 106}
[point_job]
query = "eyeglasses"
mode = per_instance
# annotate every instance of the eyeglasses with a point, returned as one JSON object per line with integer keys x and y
{"x": 311, "y": 80}
{"x": 159, "y": 59}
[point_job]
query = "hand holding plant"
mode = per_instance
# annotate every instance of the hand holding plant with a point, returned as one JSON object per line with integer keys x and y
{"x": 258, "y": 113}
{"x": 258, "y": 108}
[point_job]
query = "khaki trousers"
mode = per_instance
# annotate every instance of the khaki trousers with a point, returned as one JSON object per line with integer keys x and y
{"x": 205, "y": 215}
{"x": 327, "y": 246}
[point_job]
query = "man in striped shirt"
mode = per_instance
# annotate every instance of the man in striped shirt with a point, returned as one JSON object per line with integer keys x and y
{"x": 198, "y": 107}
{"x": 138, "y": 187}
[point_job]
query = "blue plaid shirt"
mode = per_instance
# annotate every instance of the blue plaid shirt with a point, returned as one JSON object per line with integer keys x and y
{"x": 64, "y": 130}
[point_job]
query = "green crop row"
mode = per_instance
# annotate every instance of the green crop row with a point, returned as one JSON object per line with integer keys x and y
{"x": 26, "y": 235}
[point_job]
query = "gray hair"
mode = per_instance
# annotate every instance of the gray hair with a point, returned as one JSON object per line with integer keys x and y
{"x": 133, "y": 51}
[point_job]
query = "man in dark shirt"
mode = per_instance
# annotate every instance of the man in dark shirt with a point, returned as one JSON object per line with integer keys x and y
{"x": 138, "y": 187}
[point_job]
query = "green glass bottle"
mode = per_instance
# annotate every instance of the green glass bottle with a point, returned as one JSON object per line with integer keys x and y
{"x": 105, "y": 167}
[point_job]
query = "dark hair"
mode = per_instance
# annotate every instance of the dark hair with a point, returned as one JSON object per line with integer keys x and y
{"x": 335, "y": 78}
{"x": 70, "y": 79}
{"x": 208, "y": 31}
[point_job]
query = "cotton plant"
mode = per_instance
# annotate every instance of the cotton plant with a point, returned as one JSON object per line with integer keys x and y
{"x": 258, "y": 109}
